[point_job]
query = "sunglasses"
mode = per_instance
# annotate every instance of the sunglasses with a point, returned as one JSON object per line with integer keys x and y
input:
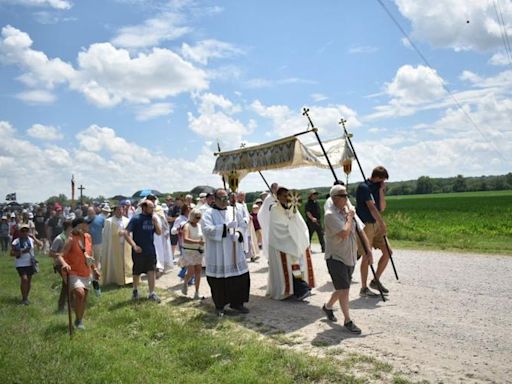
{"x": 223, "y": 198}
{"x": 345, "y": 196}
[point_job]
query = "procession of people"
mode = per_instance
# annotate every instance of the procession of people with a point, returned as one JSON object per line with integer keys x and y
{"x": 217, "y": 237}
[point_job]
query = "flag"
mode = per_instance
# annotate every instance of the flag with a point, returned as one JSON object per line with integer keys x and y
{"x": 10, "y": 196}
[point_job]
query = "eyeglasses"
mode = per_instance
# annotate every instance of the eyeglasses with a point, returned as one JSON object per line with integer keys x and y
{"x": 222, "y": 198}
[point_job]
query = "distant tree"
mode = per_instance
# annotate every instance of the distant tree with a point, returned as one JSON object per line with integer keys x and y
{"x": 508, "y": 178}
{"x": 424, "y": 185}
{"x": 499, "y": 183}
{"x": 61, "y": 199}
{"x": 483, "y": 186}
{"x": 460, "y": 184}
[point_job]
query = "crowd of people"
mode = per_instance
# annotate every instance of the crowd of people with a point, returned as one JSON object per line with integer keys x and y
{"x": 103, "y": 244}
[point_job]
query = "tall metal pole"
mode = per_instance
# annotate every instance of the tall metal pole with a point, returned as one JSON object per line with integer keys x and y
{"x": 342, "y": 122}
{"x": 315, "y": 130}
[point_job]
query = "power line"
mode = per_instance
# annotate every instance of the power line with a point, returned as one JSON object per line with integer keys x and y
{"x": 503, "y": 30}
{"x": 459, "y": 106}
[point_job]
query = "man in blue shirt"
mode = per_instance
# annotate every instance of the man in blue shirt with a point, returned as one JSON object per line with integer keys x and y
{"x": 370, "y": 202}
{"x": 142, "y": 226}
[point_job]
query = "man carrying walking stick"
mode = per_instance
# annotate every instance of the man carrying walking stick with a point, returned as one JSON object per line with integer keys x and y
{"x": 370, "y": 202}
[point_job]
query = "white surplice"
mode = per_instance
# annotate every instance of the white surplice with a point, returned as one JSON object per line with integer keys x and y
{"x": 220, "y": 259}
{"x": 288, "y": 245}
{"x": 164, "y": 257}
{"x": 264, "y": 219}
{"x": 116, "y": 263}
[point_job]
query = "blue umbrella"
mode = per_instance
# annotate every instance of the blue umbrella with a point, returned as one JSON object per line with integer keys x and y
{"x": 146, "y": 192}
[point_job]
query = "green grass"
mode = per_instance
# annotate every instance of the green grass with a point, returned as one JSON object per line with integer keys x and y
{"x": 474, "y": 221}
{"x": 178, "y": 341}
{"x": 467, "y": 221}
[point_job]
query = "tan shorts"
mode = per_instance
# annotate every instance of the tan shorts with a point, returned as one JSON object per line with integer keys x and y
{"x": 375, "y": 238}
{"x": 79, "y": 282}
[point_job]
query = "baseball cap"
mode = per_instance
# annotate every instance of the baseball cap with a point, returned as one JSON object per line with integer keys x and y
{"x": 338, "y": 190}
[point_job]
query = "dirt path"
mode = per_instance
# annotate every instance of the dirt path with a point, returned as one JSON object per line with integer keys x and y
{"x": 448, "y": 319}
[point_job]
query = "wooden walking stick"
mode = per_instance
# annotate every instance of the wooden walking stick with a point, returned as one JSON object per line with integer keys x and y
{"x": 342, "y": 123}
{"x": 70, "y": 321}
{"x": 306, "y": 113}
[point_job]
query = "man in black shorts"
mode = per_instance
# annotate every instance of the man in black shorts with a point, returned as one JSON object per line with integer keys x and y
{"x": 341, "y": 253}
{"x": 142, "y": 226}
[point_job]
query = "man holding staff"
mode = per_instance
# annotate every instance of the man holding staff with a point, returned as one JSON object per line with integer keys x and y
{"x": 370, "y": 202}
{"x": 341, "y": 253}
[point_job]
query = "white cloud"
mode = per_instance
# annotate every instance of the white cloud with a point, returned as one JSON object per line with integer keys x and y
{"x": 37, "y": 96}
{"x": 416, "y": 85}
{"x": 411, "y": 89}
{"x": 15, "y": 48}
{"x": 215, "y": 120}
{"x": 105, "y": 75}
{"x": 266, "y": 83}
{"x": 164, "y": 27}
{"x": 56, "y": 4}
{"x": 362, "y": 49}
{"x": 457, "y": 24}
{"x": 208, "y": 49}
{"x": 109, "y": 75}
{"x": 153, "y": 111}
{"x": 288, "y": 122}
{"x": 318, "y": 97}
{"x": 500, "y": 58}
{"x": 98, "y": 155}
{"x": 45, "y": 132}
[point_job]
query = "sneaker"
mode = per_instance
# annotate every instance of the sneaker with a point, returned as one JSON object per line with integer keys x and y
{"x": 304, "y": 295}
{"x": 220, "y": 312}
{"x": 329, "y": 313}
{"x": 197, "y": 297}
{"x": 154, "y": 297}
{"x": 79, "y": 325}
{"x": 135, "y": 294}
{"x": 25, "y": 302}
{"x": 351, "y": 327}
{"x": 366, "y": 292}
{"x": 184, "y": 289}
{"x": 240, "y": 309}
{"x": 375, "y": 285}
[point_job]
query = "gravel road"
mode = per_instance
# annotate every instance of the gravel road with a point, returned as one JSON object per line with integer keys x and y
{"x": 448, "y": 319}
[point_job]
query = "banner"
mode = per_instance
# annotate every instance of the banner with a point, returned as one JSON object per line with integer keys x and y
{"x": 288, "y": 152}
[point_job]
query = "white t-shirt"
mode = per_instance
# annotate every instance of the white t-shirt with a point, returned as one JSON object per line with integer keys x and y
{"x": 25, "y": 259}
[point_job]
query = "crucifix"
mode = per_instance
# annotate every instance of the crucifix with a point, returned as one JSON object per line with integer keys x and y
{"x": 81, "y": 188}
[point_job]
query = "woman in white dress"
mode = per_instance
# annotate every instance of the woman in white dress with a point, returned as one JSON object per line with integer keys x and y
{"x": 193, "y": 246}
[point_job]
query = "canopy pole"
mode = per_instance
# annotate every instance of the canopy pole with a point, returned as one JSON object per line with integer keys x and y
{"x": 306, "y": 113}
{"x": 222, "y": 175}
{"x": 390, "y": 252}
{"x": 268, "y": 186}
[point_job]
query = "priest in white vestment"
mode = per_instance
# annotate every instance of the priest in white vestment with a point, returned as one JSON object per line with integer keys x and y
{"x": 164, "y": 257}
{"x": 116, "y": 266}
{"x": 226, "y": 267}
{"x": 264, "y": 217}
{"x": 290, "y": 265}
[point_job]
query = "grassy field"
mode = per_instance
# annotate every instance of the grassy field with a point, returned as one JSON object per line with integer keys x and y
{"x": 179, "y": 341}
{"x": 473, "y": 221}
{"x": 467, "y": 221}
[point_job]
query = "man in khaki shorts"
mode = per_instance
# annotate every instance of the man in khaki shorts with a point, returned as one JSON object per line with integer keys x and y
{"x": 370, "y": 202}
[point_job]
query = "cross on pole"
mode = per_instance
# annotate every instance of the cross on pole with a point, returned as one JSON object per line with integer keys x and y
{"x": 81, "y": 188}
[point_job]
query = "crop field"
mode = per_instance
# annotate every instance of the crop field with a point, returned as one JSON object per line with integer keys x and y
{"x": 475, "y": 221}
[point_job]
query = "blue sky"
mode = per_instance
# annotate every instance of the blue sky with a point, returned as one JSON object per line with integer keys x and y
{"x": 129, "y": 94}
